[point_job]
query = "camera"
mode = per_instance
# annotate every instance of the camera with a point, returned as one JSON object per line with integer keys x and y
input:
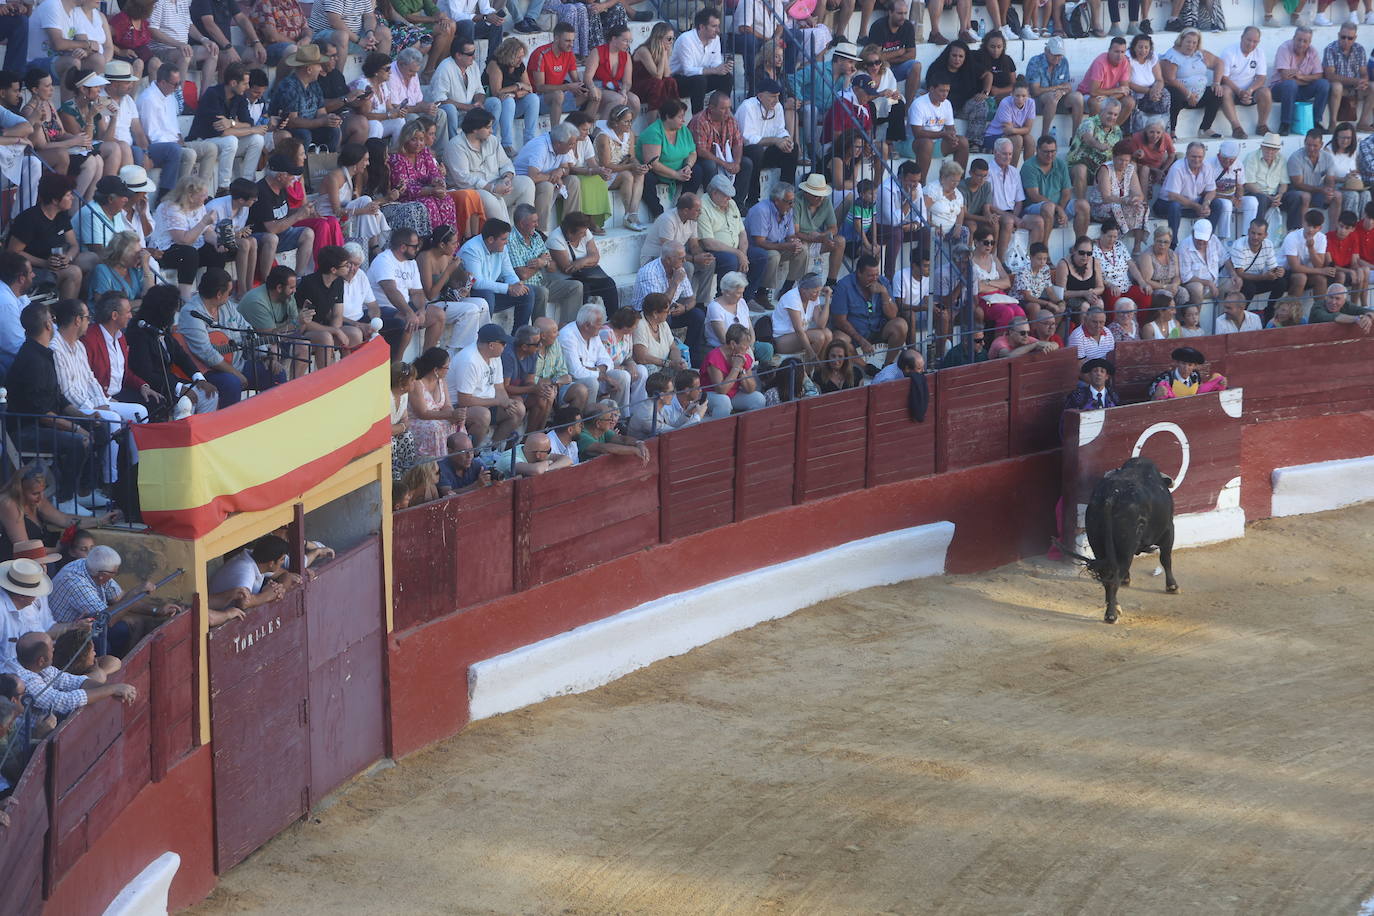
{"x": 228, "y": 235}
{"x": 496, "y": 475}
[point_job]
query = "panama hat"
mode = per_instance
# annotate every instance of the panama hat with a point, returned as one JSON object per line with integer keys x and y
{"x": 848, "y": 50}
{"x": 816, "y": 185}
{"x": 136, "y": 177}
{"x": 24, "y": 577}
{"x": 304, "y": 57}
{"x": 37, "y": 551}
{"x": 119, "y": 71}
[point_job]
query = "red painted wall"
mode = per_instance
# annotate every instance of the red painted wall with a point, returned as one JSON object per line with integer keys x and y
{"x": 174, "y": 815}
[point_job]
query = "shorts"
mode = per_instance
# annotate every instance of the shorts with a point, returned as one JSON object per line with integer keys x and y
{"x": 1034, "y": 209}
{"x": 569, "y": 103}
{"x": 290, "y": 240}
{"x": 328, "y": 36}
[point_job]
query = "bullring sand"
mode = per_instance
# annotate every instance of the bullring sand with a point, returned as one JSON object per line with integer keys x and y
{"x": 966, "y": 744}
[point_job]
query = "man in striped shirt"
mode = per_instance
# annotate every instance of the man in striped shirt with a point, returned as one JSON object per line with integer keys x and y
{"x": 54, "y": 691}
{"x": 350, "y": 26}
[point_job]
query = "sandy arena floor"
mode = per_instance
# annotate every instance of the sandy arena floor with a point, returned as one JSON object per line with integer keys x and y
{"x": 973, "y": 744}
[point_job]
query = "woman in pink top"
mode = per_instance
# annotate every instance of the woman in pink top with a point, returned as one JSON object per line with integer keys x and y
{"x": 729, "y": 375}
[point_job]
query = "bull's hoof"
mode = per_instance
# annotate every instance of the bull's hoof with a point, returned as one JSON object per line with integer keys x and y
{"x": 1126, "y": 582}
{"x": 1111, "y": 616}
{"x": 1172, "y": 589}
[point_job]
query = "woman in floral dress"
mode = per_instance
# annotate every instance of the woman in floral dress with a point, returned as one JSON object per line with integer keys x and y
{"x": 419, "y": 178}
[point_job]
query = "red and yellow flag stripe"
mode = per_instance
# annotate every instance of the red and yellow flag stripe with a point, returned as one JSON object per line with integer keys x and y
{"x": 266, "y": 450}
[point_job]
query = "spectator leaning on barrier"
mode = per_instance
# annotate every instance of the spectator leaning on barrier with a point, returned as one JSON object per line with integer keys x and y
{"x": 1018, "y": 341}
{"x": 56, "y": 692}
{"x": 476, "y": 381}
{"x": 599, "y": 436}
{"x": 1336, "y": 307}
{"x": 534, "y": 457}
{"x": 1235, "y": 318}
{"x": 253, "y": 576}
{"x": 460, "y": 470}
{"x": 729, "y": 372}
{"x": 86, "y": 587}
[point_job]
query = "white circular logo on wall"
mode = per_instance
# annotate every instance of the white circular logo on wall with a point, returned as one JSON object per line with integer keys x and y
{"x": 1174, "y": 430}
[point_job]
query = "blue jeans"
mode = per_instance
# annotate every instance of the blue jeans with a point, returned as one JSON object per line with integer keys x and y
{"x": 903, "y": 70}
{"x": 1288, "y": 93}
{"x": 451, "y": 112}
{"x": 231, "y": 389}
{"x": 533, "y": 10}
{"x": 14, "y": 31}
{"x": 497, "y": 302}
{"x": 166, "y": 156}
{"x": 505, "y": 111}
{"x": 327, "y": 137}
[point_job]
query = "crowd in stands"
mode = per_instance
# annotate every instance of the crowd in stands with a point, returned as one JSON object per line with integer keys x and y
{"x": 206, "y": 205}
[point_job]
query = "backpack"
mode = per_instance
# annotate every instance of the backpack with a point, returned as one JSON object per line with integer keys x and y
{"x": 1078, "y": 20}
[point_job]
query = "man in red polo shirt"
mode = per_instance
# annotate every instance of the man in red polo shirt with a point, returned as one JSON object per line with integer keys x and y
{"x": 1344, "y": 249}
{"x": 553, "y": 73}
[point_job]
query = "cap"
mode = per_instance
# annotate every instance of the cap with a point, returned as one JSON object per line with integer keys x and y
{"x": 135, "y": 178}
{"x": 1202, "y": 230}
{"x": 1055, "y": 46}
{"x": 1272, "y": 140}
{"x": 1230, "y": 149}
{"x": 112, "y": 184}
{"x": 492, "y": 333}
{"x": 864, "y": 83}
{"x": 722, "y": 183}
{"x": 279, "y": 163}
{"x": 1188, "y": 355}
{"x": 768, "y": 85}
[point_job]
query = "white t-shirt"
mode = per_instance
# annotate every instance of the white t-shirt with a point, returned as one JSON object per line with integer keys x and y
{"x": 791, "y": 302}
{"x": 909, "y": 289}
{"x": 1251, "y": 322}
{"x": 557, "y": 447}
{"x": 559, "y": 242}
{"x": 1294, "y": 244}
{"x": 717, "y": 312}
{"x": 473, "y": 374}
{"x": 386, "y": 266}
{"x": 124, "y": 116}
{"x": 1241, "y": 68}
{"x": 928, "y": 116}
{"x": 239, "y": 571}
{"x": 15, "y": 623}
{"x": 357, "y": 293}
{"x": 223, "y": 208}
{"x": 50, "y": 14}
{"x": 90, "y": 26}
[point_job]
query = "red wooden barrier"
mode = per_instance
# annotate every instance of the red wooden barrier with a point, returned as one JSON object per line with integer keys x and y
{"x": 899, "y": 448}
{"x": 1139, "y": 362}
{"x": 1302, "y": 372}
{"x": 344, "y": 622}
{"x": 582, "y": 516}
{"x": 101, "y": 758}
{"x": 453, "y": 553}
{"x": 173, "y": 693}
{"x": 24, "y": 841}
{"x": 971, "y": 426}
{"x": 1038, "y": 387}
{"x": 831, "y": 447}
{"x": 696, "y": 478}
{"x": 765, "y": 456}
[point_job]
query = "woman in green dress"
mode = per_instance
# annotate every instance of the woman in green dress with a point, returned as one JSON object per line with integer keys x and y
{"x": 668, "y": 149}
{"x": 418, "y": 23}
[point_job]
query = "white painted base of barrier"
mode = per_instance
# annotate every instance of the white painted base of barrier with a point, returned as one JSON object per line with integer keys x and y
{"x": 1322, "y": 486}
{"x": 598, "y": 653}
{"x": 146, "y": 895}
{"x": 1194, "y": 529}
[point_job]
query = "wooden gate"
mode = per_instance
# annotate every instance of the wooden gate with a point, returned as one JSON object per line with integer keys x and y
{"x": 296, "y": 700}
{"x": 258, "y": 714}
{"x": 343, "y": 610}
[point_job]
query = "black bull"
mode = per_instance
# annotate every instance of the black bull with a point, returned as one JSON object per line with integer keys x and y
{"x": 1131, "y": 511}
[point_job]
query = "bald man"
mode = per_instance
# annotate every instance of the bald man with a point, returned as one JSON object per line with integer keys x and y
{"x": 55, "y": 691}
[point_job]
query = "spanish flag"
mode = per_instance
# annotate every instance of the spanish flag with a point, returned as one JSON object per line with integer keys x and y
{"x": 265, "y": 450}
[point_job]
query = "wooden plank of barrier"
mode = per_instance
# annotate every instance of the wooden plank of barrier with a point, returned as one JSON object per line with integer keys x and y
{"x": 172, "y": 697}
{"x": 425, "y": 582}
{"x": 972, "y": 417}
{"x": 899, "y": 448}
{"x": 835, "y": 444}
{"x": 1308, "y": 371}
{"x": 697, "y": 478}
{"x": 1038, "y": 385}
{"x": 765, "y": 466}
{"x": 23, "y": 843}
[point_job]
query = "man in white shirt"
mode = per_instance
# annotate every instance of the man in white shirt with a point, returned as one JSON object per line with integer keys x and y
{"x": 1304, "y": 251}
{"x": 697, "y": 63}
{"x": 157, "y": 110}
{"x": 1201, "y": 260}
{"x": 1091, "y": 339}
{"x": 931, "y": 119}
{"x": 476, "y": 381}
{"x": 1235, "y": 318}
{"x": 587, "y": 358}
{"x": 679, "y": 224}
{"x": 24, "y": 590}
{"x": 1009, "y": 197}
{"x": 767, "y": 144}
{"x": 1190, "y": 189}
{"x": 478, "y": 19}
{"x": 396, "y": 287}
{"x": 1244, "y": 72}
{"x": 1255, "y": 266}
{"x": 457, "y": 84}
{"x": 547, "y": 161}
{"x": 16, "y": 278}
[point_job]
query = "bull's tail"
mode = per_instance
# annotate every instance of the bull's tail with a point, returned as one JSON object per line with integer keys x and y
{"x": 1100, "y": 565}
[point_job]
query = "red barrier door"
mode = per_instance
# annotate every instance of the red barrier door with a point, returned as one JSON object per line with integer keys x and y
{"x": 343, "y": 607}
{"x": 260, "y": 738}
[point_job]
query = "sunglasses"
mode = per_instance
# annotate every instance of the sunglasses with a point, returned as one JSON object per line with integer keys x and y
{"x": 871, "y": 64}
{"x": 987, "y": 242}
{"x": 1084, "y": 253}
